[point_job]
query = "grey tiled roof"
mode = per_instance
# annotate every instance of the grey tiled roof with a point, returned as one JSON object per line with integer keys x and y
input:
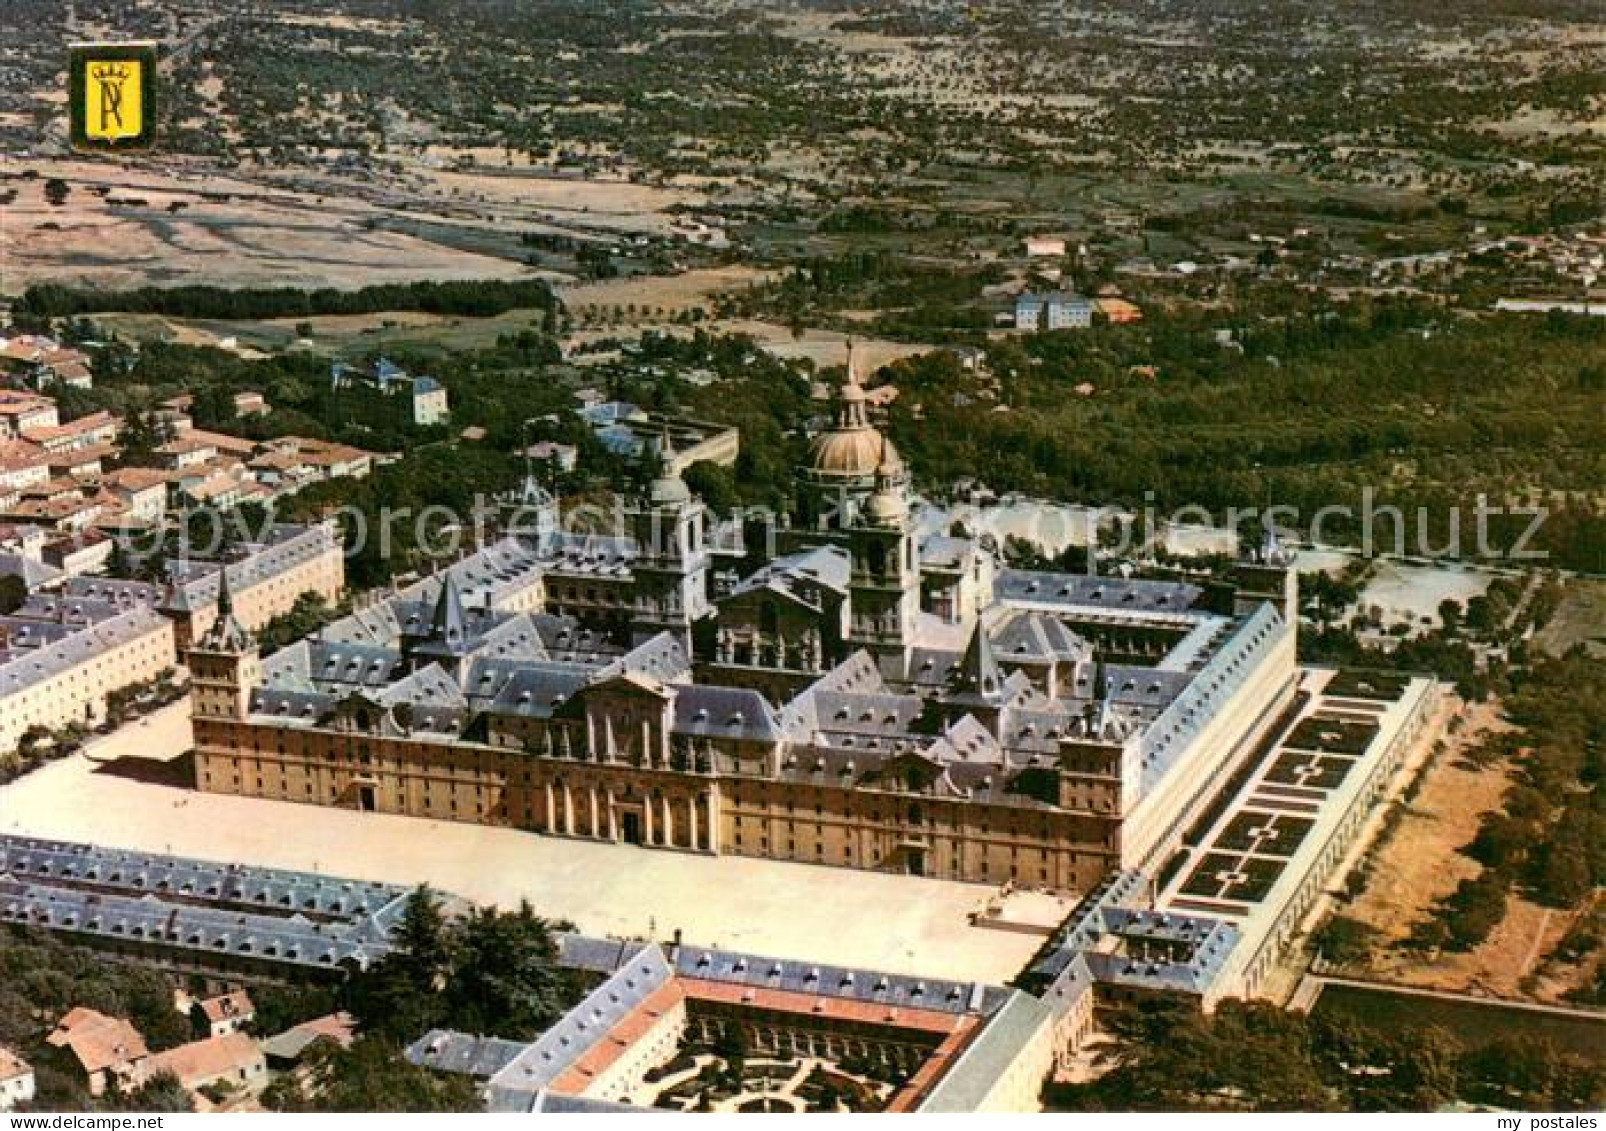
{"x": 848, "y": 983}
{"x": 988, "y": 1056}
{"x": 1114, "y": 594}
{"x": 260, "y": 914}
{"x": 21, "y": 666}
{"x": 446, "y": 1050}
{"x": 196, "y": 583}
{"x": 543, "y": 1060}
{"x": 706, "y": 711}
{"x": 523, "y": 687}
{"x": 1112, "y": 937}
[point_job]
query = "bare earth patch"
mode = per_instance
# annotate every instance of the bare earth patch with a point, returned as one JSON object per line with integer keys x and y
{"x": 124, "y": 227}
{"x": 1423, "y": 862}
{"x": 1580, "y": 619}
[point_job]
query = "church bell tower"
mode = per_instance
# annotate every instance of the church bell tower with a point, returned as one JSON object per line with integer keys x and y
{"x": 225, "y": 665}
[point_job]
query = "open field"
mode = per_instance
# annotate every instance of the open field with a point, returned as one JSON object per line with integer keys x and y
{"x": 825, "y": 347}
{"x": 178, "y": 221}
{"x": 1580, "y": 619}
{"x": 144, "y": 225}
{"x": 1414, "y": 593}
{"x": 897, "y": 923}
{"x": 1422, "y": 863}
{"x": 342, "y": 334}
{"x": 669, "y": 294}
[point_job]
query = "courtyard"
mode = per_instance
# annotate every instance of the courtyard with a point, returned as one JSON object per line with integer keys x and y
{"x": 707, "y": 1080}
{"x": 126, "y": 792}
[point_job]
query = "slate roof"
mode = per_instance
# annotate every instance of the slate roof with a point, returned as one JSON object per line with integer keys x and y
{"x": 796, "y": 575}
{"x": 706, "y": 711}
{"x": 465, "y": 1054}
{"x": 1113, "y": 594}
{"x": 21, "y": 665}
{"x": 195, "y": 583}
{"x": 988, "y": 1055}
{"x": 543, "y": 1060}
{"x": 1112, "y": 937}
{"x": 295, "y": 918}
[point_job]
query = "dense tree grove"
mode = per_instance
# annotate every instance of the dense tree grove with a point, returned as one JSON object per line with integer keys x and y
{"x": 1257, "y": 1057}
{"x": 371, "y": 1075}
{"x": 1324, "y": 408}
{"x": 42, "y": 977}
{"x": 1548, "y": 840}
{"x": 309, "y": 613}
{"x": 489, "y": 972}
{"x": 478, "y": 298}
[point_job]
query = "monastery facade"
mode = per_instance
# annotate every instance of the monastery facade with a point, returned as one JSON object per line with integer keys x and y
{"x": 863, "y": 696}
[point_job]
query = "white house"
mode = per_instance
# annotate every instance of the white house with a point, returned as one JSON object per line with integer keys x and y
{"x": 1056, "y": 310}
{"x": 16, "y": 1080}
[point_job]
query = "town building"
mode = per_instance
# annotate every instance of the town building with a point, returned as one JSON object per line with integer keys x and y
{"x": 226, "y": 1013}
{"x": 232, "y": 1059}
{"x": 62, "y": 653}
{"x": 140, "y": 492}
{"x": 292, "y": 462}
{"x": 96, "y": 430}
{"x": 44, "y": 361}
{"x": 426, "y": 397}
{"x": 1055, "y": 310}
{"x": 22, "y": 412}
{"x": 111, "y": 1051}
{"x": 1118, "y": 311}
{"x": 17, "y": 1083}
{"x": 251, "y": 403}
{"x": 287, "y": 1049}
{"x": 108, "y": 1050}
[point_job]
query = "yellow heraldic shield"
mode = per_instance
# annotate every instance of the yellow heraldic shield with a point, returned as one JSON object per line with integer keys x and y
{"x": 112, "y": 95}
{"x": 114, "y": 103}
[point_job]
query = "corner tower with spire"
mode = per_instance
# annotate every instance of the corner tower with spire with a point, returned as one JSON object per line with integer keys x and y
{"x": 225, "y": 664}
{"x": 1266, "y": 575}
{"x": 670, "y": 526}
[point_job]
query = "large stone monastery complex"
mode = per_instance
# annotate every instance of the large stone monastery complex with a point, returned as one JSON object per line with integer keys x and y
{"x": 852, "y": 693}
{"x": 860, "y": 697}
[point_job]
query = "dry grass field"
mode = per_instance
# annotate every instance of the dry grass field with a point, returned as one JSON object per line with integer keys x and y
{"x": 1580, "y": 619}
{"x": 1422, "y": 863}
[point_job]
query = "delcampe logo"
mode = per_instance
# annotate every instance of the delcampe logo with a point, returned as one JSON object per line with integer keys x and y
{"x": 111, "y": 89}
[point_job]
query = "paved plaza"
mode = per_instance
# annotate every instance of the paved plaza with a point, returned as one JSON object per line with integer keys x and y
{"x": 832, "y": 915}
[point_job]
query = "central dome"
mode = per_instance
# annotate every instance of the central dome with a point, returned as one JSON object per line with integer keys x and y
{"x": 851, "y": 454}
{"x": 853, "y": 449}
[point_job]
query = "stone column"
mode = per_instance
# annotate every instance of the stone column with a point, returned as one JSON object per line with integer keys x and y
{"x": 713, "y": 819}
{"x": 669, "y": 822}
{"x": 568, "y": 810}
{"x": 646, "y": 820}
{"x": 596, "y": 821}
{"x": 691, "y": 816}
